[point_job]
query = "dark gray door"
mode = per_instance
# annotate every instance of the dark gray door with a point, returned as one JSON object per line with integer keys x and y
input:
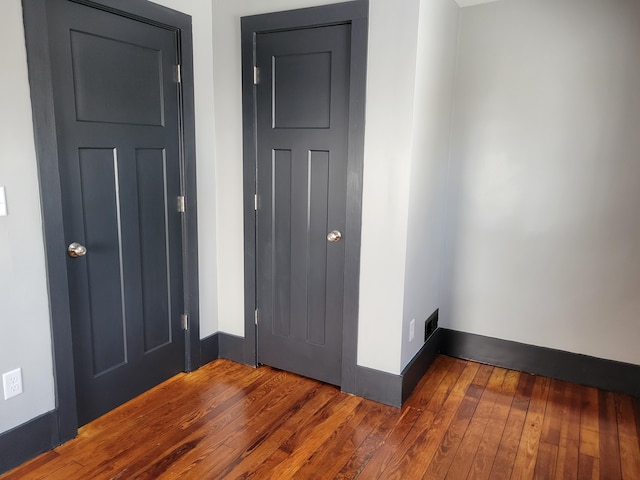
{"x": 118, "y": 132}
{"x": 302, "y": 133}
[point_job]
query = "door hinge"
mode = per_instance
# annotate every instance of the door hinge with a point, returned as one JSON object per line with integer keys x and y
{"x": 255, "y": 317}
{"x": 255, "y": 202}
{"x": 184, "y": 318}
{"x": 181, "y": 204}
{"x": 178, "y": 74}
{"x": 256, "y": 75}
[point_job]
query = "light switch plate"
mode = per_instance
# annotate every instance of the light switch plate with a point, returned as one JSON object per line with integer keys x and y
{"x": 3, "y": 202}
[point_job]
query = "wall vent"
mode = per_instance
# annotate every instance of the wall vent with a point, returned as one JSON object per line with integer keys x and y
{"x": 431, "y": 324}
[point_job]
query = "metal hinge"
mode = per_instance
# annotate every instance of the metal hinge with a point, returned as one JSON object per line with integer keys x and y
{"x": 256, "y": 75}
{"x": 178, "y": 74}
{"x": 181, "y": 204}
{"x": 184, "y": 318}
{"x": 255, "y": 202}
{"x": 255, "y": 317}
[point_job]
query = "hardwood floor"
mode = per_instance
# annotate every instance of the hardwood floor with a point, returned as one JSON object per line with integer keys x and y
{"x": 464, "y": 421}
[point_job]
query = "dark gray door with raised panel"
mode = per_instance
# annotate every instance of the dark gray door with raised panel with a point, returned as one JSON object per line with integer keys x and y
{"x": 118, "y": 132}
{"x": 302, "y": 138}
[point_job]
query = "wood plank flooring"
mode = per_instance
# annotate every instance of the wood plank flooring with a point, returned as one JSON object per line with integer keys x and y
{"x": 464, "y": 421}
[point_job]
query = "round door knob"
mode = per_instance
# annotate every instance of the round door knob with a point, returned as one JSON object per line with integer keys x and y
{"x": 76, "y": 250}
{"x": 334, "y": 236}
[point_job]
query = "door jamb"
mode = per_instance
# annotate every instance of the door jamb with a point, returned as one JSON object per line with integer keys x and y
{"x": 355, "y": 13}
{"x": 39, "y": 71}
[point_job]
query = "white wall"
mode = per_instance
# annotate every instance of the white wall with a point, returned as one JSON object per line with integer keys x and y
{"x": 544, "y": 240}
{"x": 200, "y": 11}
{"x": 25, "y": 341}
{"x": 435, "y": 69}
{"x": 391, "y": 76}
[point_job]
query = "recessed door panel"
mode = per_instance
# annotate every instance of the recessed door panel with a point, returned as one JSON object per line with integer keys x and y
{"x": 302, "y": 90}
{"x": 106, "y": 318}
{"x": 154, "y": 246}
{"x": 318, "y": 245}
{"x": 282, "y": 257}
{"x": 116, "y": 81}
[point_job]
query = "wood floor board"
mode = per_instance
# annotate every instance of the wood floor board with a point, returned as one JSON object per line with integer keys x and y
{"x": 482, "y": 461}
{"x": 452, "y": 442}
{"x": 527, "y": 454}
{"x": 303, "y": 448}
{"x": 569, "y": 443}
{"x": 608, "y": 436}
{"x": 427, "y": 385}
{"x": 510, "y": 441}
{"x": 555, "y": 410}
{"x": 379, "y": 434}
{"x": 588, "y": 468}
{"x": 381, "y": 456}
{"x": 465, "y": 421}
{"x": 627, "y": 438}
{"x": 545, "y": 462}
{"x": 412, "y": 461}
{"x": 243, "y": 424}
{"x": 337, "y": 448}
{"x": 37, "y": 468}
{"x": 71, "y": 469}
{"x": 257, "y": 452}
{"x": 636, "y": 411}
{"x": 408, "y": 432}
{"x": 465, "y": 454}
{"x": 589, "y": 424}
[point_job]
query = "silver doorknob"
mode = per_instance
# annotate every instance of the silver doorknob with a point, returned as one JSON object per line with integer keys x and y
{"x": 76, "y": 250}
{"x": 334, "y": 236}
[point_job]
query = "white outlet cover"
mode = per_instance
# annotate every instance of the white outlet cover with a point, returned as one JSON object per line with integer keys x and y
{"x": 12, "y": 383}
{"x": 3, "y": 202}
{"x": 412, "y": 329}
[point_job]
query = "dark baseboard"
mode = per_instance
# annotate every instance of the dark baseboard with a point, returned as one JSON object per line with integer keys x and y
{"x": 572, "y": 367}
{"x": 420, "y": 363}
{"x": 210, "y": 348}
{"x": 379, "y": 386}
{"x": 394, "y": 389}
{"x": 231, "y": 347}
{"x": 222, "y": 345}
{"x": 28, "y": 440}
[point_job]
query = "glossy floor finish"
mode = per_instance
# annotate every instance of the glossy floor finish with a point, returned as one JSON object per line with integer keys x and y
{"x": 464, "y": 421}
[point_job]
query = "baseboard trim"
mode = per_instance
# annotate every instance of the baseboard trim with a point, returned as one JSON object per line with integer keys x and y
{"x": 420, "y": 363}
{"x": 28, "y": 440}
{"x": 379, "y": 386}
{"x": 231, "y": 347}
{"x": 572, "y": 367}
{"x": 222, "y": 345}
{"x": 210, "y": 348}
{"x": 392, "y": 389}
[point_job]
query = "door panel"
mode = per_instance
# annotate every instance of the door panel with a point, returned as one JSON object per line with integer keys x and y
{"x": 118, "y": 132}
{"x": 115, "y": 81}
{"x": 154, "y": 246}
{"x": 302, "y": 118}
{"x": 98, "y": 174}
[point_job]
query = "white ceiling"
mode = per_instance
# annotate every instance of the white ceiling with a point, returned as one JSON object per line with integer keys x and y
{"x": 468, "y": 3}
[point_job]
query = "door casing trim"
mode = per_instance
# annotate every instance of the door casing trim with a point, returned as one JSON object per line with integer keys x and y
{"x": 355, "y": 13}
{"x": 39, "y": 71}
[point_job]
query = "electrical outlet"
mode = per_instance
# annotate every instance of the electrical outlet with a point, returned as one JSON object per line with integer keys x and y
{"x": 412, "y": 329}
{"x": 12, "y": 383}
